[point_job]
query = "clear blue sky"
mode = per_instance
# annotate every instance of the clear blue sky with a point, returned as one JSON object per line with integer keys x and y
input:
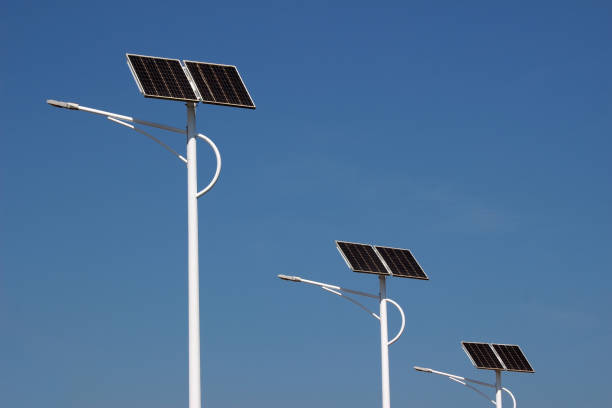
{"x": 476, "y": 134}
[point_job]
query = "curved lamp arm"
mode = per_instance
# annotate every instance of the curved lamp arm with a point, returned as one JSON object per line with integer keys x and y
{"x": 464, "y": 381}
{"x": 337, "y": 290}
{"x": 122, "y": 119}
{"x": 326, "y": 285}
{"x": 174, "y": 152}
{"x": 216, "y": 176}
{"x": 401, "y": 330}
{"x": 76, "y": 106}
{"x": 485, "y": 396}
{"x": 350, "y": 299}
{"x": 511, "y": 395}
{"x": 150, "y": 136}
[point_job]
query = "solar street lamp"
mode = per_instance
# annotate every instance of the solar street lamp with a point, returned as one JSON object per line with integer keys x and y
{"x": 193, "y": 82}
{"x": 489, "y": 356}
{"x": 381, "y": 261}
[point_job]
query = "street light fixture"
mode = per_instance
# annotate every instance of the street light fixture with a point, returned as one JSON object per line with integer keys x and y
{"x": 165, "y": 78}
{"x": 465, "y": 381}
{"x": 381, "y": 261}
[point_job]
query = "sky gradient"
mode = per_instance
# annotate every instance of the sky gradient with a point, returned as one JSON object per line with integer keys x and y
{"x": 475, "y": 134}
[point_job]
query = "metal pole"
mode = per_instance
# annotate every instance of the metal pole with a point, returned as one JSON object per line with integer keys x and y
{"x": 384, "y": 345}
{"x": 498, "y": 389}
{"x": 195, "y": 393}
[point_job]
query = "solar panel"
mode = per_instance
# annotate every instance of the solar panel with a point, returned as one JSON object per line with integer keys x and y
{"x": 482, "y": 355}
{"x": 512, "y": 357}
{"x": 401, "y": 263}
{"x": 220, "y": 84}
{"x": 161, "y": 78}
{"x": 361, "y": 258}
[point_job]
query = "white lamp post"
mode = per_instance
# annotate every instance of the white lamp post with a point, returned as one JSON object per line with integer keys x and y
{"x": 191, "y": 82}
{"x": 382, "y": 317}
{"x": 381, "y": 261}
{"x": 195, "y": 393}
{"x": 490, "y": 356}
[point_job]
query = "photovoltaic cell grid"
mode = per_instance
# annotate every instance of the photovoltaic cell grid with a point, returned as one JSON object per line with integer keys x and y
{"x": 482, "y": 356}
{"x": 362, "y": 258}
{"x": 380, "y": 260}
{"x": 220, "y": 84}
{"x": 161, "y": 78}
{"x": 512, "y": 357}
{"x": 401, "y": 263}
{"x": 497, "y": 356}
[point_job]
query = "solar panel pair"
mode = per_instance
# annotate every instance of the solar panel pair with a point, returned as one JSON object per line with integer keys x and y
{"x": 492, "y": 356}
{"x": 380, "y": 260}
{"x": 166, "y": 78}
